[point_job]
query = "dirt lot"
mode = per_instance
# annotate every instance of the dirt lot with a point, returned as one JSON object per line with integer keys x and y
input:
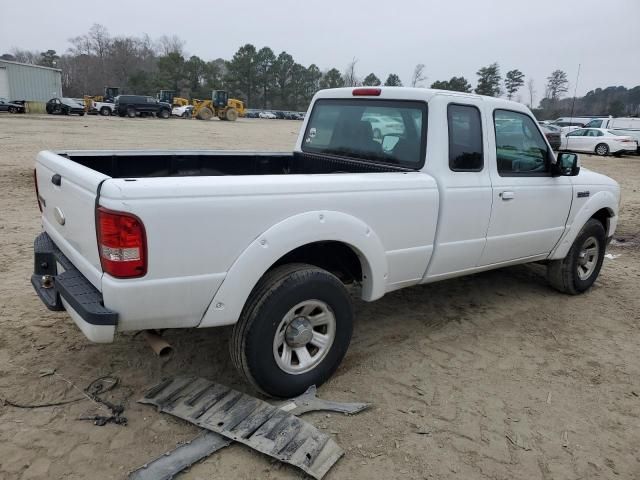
{"x": 490, "y": 376}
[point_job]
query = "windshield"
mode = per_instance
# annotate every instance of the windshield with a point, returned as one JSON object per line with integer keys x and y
{"x": 594, "y": 124}
{"x": 388, "y": 131}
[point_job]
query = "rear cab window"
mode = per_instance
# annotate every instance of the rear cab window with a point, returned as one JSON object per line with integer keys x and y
{"x": 383, "y": 131}
{"x": 465, "y": 138}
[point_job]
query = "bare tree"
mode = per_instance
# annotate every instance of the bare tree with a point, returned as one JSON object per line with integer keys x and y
{"x": 418, "y": 75}
{"x": 25, "y": 56}
{"x": 532, "y": 91}
{"x": 350, "y": 77}
{"x": 171, "y": 44}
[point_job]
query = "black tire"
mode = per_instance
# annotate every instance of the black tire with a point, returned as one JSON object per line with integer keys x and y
{"x": 204, "y": 113}
{"x": 13, "y": 110}
{"x": 105, "y": 111}
{"x": 81, "y": 114}
{"x": 280, "y": 290}
{"x": 602, "y": 149}
{"x": 563, "y": 274}
{"x": 164, "y": 113}
{"x": 184, "y": 115}
{"x": 131, "y": 112}
{"x": 231, "y": 114}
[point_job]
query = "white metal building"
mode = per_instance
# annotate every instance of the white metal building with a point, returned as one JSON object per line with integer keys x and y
{"x": 33, "y": 83}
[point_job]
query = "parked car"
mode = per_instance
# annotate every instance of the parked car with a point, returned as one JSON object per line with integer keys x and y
{"x": 573, "y": 121}
{"x": 143, "y": 105}
{"x": 599, "y": 141}
{"x": 623, "y": 126}
{"x": 64, "y": 106}
{"x": 251, "y": 114}
{"x": 269, "y": 115}
{"x": 384, "y": 125}
{"x": 553, "y": 135}
{"x": 291, "y": 229}
{"x": 14, "y": 106}
{"x": 182, "y": 111}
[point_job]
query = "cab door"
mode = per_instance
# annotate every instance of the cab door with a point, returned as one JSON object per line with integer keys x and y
{"x": 458, "y": 161}
{"x": 530, "y": 206}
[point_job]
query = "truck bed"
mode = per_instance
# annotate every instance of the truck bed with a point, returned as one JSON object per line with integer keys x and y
{"x": 143, "y": 164}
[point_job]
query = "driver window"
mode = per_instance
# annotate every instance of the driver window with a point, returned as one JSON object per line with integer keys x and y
{"x": 520, "y": 147}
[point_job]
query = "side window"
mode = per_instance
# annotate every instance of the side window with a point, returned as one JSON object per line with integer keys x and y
{"x": 520, "y": 147}
{"x": 576, "y": 133}
{"x": 465, "y": 138}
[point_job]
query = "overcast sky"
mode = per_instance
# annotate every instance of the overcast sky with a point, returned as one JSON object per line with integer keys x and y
{"x": 451, "y": 37}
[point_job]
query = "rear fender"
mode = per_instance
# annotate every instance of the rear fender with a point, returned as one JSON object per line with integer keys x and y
{"x": 602, "y": 199}
{"x": 282, "y": 238}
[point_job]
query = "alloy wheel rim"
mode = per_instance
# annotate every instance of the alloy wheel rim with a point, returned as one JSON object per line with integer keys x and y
{"x": 588, "y": 258}
{"x": 304, "y": 337}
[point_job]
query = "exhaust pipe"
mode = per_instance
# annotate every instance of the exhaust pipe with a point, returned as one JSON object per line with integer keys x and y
{"x": 158, "y": 344}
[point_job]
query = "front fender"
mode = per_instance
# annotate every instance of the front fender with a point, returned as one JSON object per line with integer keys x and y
{"x": 282, "y": 238}
{"x": 602, "y": 199}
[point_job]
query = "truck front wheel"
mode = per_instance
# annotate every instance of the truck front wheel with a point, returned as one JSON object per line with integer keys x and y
{"x": 579, "y": 269}
{"x": 294, "y": 330}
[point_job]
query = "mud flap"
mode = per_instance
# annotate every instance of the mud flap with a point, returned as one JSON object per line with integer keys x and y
{"x": 246, "y": 419}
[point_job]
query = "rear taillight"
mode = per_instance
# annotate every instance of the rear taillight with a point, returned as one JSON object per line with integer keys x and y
{"x": 122, "y": 244}
{"x": 35, "y": 182}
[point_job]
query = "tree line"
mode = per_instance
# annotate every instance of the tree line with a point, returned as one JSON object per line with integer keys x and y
{"x": 265, "y": 80}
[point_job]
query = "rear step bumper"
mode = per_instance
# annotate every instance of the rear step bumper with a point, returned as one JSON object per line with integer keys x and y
{"x": 70, "y": 290}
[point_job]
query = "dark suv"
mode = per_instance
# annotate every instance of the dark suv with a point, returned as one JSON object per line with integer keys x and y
{"x": 131, "y": 105}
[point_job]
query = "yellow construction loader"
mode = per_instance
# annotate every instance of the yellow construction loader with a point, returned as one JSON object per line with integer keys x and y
{"x": 168, "y": 96}
{"x": 220, "y": 105}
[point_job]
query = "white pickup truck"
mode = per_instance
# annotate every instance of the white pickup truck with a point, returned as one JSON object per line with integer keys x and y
{"x": 103, "y": 108}
{"x": 138, "y": 240}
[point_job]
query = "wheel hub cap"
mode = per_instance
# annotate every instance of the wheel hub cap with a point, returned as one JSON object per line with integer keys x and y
{"x": 299, "y": 332}
{"x": 304, "y": 337}
{"x": 588, "y": 258}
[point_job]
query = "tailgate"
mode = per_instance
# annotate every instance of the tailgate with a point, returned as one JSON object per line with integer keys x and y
{"x": 68, "y": 193}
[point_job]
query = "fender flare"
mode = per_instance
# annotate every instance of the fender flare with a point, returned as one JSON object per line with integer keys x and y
{"x": 284, "y": 237}
{"x": 601, "y": 200}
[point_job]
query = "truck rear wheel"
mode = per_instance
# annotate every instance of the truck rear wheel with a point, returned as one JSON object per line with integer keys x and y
{"x": 105, "y": 111}
{"x": 578, "y": 271}
{"x": 131, "y": 112}
{"x": 294, "y": 330}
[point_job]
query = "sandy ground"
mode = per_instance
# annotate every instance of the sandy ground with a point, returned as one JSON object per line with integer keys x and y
{"x": 490, "y": 376}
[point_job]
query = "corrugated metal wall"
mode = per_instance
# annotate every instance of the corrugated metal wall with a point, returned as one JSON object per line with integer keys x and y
{"x": 32, "y": 83}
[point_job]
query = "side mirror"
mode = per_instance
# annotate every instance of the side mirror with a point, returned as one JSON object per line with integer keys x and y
{"x": 567, "y": 164}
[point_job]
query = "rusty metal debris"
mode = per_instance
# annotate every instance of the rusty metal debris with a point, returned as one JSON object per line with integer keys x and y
{"x": 231, "y": 415}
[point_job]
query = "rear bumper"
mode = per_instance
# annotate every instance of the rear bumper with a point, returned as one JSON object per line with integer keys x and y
{"x": 61, "y": 286}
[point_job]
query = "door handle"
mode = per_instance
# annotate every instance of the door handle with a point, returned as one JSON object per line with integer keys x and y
{"x": 507, "y": 195}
